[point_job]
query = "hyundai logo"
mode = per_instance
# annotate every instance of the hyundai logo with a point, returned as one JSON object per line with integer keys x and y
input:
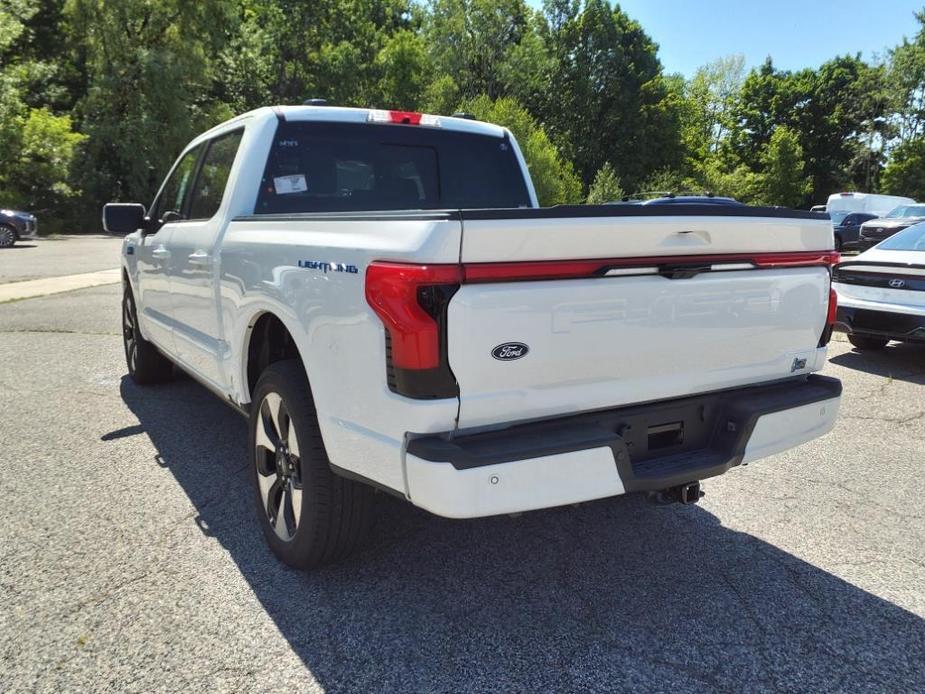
{"x": 897, "y": 284}
{"x": 510, "y": 351}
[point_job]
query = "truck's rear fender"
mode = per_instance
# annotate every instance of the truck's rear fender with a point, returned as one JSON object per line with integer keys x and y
{"x": 308, "y": 271}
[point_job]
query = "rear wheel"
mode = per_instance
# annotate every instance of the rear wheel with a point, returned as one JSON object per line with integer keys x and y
{"x": 867, "y": 343}
{"x": 309, "y": 515}
{"x": 145, "y": 364}
{"x": 7, "y": 236}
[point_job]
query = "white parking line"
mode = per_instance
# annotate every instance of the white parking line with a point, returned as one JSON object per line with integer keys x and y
{"x": 54, "y": 285}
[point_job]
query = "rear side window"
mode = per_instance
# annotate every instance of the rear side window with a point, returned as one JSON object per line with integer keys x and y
{"x": 341, "y": 167}
{"x": 213, "y": 176}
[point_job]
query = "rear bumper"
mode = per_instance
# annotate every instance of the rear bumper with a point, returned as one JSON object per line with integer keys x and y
{"x": 596, "y": 455}
{"x": 892, "y": 324}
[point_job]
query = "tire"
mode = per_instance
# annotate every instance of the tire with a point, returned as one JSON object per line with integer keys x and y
{"x": 309, "y": 515}
{"x": 866, "y": 343}
{"x": 7, "y": 236}
{"x": 146, "y": 365}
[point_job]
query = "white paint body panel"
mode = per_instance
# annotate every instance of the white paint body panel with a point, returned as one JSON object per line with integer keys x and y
{"x": 612, "y": 341}
{"x": 522, "y": 485}
{"x": 594, "y": 343}
{"x": 781, "y": 431}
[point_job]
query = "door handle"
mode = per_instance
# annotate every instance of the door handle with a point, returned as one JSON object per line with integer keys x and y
{"x": 200, "y": 258}
{"x": 160, "y": 253}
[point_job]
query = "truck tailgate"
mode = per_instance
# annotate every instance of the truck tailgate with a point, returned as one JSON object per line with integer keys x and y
{"x": 644, "y": 308}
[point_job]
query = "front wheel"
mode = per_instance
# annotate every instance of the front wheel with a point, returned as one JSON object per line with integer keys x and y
{"x": 145, "y": 364}
{"x": 867, "y": 343}
{"x": 309, "y": 515}
{"x": 7, "y": 236}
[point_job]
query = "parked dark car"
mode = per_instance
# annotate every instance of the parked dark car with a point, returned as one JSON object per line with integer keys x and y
{"x": 16, "y": 225}
{"x": 848, "y": 230}
{"x": 902, "y": 217}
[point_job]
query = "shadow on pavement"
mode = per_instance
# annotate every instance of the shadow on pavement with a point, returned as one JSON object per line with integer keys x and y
{"x": 900, "y": 361}
{"x": 612, "y": 595}
{"x": 20, "y": 245}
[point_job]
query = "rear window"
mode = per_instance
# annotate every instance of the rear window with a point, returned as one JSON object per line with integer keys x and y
{"x": 342, "y": 167}
{"x": 911, "y": 239}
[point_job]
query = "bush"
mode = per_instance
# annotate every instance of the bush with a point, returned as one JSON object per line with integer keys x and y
{"x": 606, "y": 186}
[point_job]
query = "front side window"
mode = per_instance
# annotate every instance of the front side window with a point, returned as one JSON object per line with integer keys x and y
{"x": 338, "y": 167}
{"x": 171, "y": 203}
{"x": 213, "y": 176}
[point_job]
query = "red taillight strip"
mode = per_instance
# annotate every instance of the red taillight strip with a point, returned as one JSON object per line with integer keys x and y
{"x": 833, "y": 308}
{"x": 573, "y": 269}
{"x": 392, "y": 292}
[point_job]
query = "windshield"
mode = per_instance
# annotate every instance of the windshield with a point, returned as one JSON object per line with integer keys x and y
{"x": 338, "y": 167}
{"x": 911, "y": 239}
{"x": 837, "y": 217}
{"x": 906, "y": 211}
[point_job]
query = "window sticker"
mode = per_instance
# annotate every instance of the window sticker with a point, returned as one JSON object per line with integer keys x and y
{"x": 286, "y": 185}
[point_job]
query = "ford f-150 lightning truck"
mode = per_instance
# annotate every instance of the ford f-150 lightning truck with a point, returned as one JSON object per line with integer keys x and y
{"x": 379, "y": 292}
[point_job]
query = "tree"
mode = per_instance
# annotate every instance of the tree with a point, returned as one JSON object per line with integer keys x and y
{"x": 606, "y": 186}
{"x": 711, "y": 96}
{"x": 149, "y": 82}
{"x": 36, "y": 176}
{"x": 782, "y": 181}
{"x": 473, "y": 40}
{"x": 907, "y": 84}
{"x": 905, "y": 173}
{"x": 553, "y": 177}
{"x": 606, "y": 98}
{"x": 405, "y": 71}
{"x": 827, "y": 108}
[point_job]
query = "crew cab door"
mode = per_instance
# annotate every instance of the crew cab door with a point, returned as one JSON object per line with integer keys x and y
{"x": 193, "y": 263}
{"x": 155, "y": 305}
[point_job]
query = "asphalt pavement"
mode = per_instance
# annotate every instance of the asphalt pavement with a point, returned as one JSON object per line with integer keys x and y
{"x": 131, "y": 559}
{"x": 32, "y": 259}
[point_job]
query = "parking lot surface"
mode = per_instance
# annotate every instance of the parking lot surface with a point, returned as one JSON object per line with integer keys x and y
{"x": 66, "y": 255}
{"x": 131, "y": 559}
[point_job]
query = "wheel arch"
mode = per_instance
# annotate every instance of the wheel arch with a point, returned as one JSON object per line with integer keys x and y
{"x": 267, "y": 339}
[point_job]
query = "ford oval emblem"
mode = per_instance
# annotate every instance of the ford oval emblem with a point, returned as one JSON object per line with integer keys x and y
{"x": 510, "y": 351}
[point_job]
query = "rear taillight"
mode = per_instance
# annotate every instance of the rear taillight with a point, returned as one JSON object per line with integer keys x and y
{"x": 829, "y": 319}
{"x": 411, "y": 301}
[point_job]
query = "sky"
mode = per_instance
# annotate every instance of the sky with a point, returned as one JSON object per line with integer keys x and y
{"x": 795, "y": 33}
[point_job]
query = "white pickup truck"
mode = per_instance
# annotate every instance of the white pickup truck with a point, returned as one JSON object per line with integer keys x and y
{"x": 381, "y": 295}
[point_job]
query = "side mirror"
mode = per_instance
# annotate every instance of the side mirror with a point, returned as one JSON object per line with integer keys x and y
{"x": 123, "y": 217}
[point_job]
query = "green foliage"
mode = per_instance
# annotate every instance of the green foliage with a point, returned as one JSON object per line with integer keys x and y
{"x": 553, "y": 177}
{"x": 663, "y": 181}
{"x": 782, "y": 181}
{"x": 473, "y": 41}
{"x": 606, "y": 98}
{"x": 97, "y": 97}
{"x": 905, "y": 174}
{"x": 405, "y": 71}
{"x": 831, "y": 109}
{"x": 605, "y": 187}
{"x": 35, "y": 175}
